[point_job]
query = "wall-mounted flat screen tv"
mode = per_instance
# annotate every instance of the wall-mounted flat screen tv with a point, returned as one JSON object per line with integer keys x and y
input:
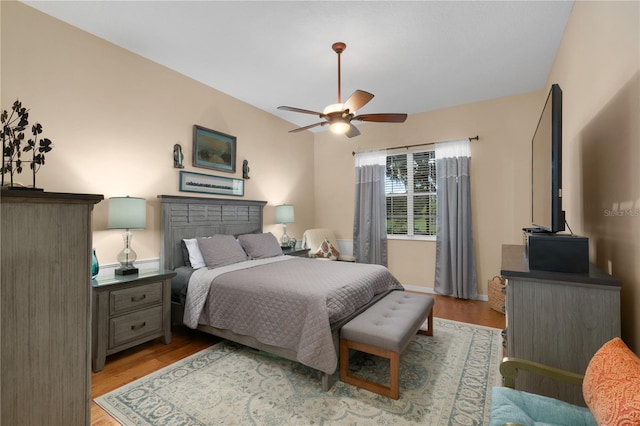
{"x": 546, "y": 167}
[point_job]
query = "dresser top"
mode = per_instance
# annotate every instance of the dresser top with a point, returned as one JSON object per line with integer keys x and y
{"x": 514, "y": 264}
{"x": 35, "y": 196}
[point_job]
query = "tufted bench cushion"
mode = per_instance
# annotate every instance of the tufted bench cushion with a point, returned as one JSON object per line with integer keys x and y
{"x": 385, "y": 330}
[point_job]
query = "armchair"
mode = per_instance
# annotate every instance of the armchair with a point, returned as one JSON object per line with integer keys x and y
{"x": 610, "y": 385}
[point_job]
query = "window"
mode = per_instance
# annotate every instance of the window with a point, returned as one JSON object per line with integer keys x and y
{"x": 410, "y": 188}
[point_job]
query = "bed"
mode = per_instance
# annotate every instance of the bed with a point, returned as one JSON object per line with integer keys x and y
{"x": 272, "y": 303}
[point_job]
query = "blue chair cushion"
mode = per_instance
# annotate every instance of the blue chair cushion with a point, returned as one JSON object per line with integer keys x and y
{"x": 528, "y": 409}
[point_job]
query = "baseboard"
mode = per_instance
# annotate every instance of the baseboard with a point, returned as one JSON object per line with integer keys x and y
{"x": 428, "y": 290}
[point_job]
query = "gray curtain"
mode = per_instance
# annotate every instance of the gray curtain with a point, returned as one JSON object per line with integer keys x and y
{"x": 370, "y": 219}
{"x": 455, "y": 261}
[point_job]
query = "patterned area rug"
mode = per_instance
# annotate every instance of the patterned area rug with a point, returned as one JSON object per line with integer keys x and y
{"x": 445, "y": 380}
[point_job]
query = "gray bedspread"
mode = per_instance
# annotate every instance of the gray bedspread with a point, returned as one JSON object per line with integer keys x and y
{"x": 285, "y": 301}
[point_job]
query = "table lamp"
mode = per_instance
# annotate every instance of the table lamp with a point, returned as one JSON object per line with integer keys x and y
{"x": 284, "y": 215}
{"x": 127, "y": 213}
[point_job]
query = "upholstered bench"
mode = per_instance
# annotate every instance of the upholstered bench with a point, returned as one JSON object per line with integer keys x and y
{"x": 385, "y": 330}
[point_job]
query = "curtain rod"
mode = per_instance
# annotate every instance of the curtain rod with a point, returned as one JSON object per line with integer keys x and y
{"x": 473, "y": 138}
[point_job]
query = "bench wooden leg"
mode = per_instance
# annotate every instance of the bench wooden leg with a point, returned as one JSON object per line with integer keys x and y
{"x": 429, "y": 331}
{"x": 394, "y": 370}
{"x": 392, "y": 391}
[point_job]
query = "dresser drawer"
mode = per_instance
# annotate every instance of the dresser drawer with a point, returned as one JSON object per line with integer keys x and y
{"x": 134, "y": 298}
{"x": 135, "y": 325}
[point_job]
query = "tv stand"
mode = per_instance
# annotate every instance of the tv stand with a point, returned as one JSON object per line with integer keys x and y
{"x": 558, "y": 319}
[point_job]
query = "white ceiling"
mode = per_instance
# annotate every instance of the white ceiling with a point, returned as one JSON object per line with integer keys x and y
{"x": 414, "y": 56}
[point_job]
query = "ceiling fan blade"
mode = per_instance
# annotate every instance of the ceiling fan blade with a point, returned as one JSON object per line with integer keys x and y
{"x": 382, "y": 118}
{"x": 357, "y": 100}
{"x": 353, "y": 131}
{"x": 299, "y": 129}
{"x": 304, "y": 111}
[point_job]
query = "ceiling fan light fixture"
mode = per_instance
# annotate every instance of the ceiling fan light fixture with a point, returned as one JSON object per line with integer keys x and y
{"x": 339, "y": 127}
{"x": 332, "y": 108}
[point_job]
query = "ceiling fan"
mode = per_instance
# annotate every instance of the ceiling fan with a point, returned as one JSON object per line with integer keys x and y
{"x": 339, "y": 116}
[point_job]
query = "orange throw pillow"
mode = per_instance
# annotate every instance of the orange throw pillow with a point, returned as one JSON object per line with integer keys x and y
{"x": 611, "y": 385}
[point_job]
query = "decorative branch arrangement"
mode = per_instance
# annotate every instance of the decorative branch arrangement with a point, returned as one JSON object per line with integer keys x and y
{"x": 14, "y": 125}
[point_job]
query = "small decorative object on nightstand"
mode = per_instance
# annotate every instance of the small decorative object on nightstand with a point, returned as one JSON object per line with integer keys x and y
{"x": 129, "y": 310}
{"x": 95, "y": 266}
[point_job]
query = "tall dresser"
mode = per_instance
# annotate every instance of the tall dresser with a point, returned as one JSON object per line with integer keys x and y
{"x": 45, "y": 312}
{"x": 558, "y": 319}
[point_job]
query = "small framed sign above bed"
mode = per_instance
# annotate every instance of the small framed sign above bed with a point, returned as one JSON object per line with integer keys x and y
{"x": 213, "y": 150}
{"x": 209, "y": 184}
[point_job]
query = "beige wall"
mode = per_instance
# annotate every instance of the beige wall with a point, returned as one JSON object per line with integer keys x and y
{"x": 598, "y": 68}
{"x": 500, "y": 182}
{"x": 114, "y": 117}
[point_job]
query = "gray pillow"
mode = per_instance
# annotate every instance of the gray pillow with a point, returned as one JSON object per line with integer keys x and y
{"x": 260, "y": 246}
{"x": 221, "y": 250}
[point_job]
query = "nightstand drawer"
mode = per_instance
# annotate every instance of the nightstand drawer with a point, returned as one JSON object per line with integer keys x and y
{"x": 134, "y": 325}
{"x": 135, "y": 298}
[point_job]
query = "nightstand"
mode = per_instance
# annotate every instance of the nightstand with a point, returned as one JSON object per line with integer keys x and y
{"x": 296, "y": 252}
{"x": 129, "y": 310}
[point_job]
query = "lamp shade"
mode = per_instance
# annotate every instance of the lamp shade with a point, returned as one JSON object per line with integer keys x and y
{"x": 284, "y": 213}
{"x": 127, "y": 213}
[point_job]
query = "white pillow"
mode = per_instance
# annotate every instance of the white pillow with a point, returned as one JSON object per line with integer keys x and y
{"x": 195, "y": 255}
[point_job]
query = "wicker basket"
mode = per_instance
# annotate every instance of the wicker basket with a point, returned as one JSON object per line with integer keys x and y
{"x": 496, "y": 294}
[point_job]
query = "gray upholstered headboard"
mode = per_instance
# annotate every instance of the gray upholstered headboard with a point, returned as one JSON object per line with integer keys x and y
{"x": 190, "y": 217}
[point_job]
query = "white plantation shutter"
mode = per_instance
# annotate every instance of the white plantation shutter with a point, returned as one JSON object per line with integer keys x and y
{"x": 410, "y": 189}
{"x": 424, "y": 193}
{"x": 396, "y": 194}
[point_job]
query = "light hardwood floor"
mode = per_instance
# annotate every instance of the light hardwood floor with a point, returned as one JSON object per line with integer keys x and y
{"x": 129, "y": 365}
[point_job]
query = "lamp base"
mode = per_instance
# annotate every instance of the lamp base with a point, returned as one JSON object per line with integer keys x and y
{"x": 284, "y": 240}
{"x": 126, "y": 271}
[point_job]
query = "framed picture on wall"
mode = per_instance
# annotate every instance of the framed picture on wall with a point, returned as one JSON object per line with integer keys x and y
{"x": 213, "y": 150}
{"x": 209, "y": 184}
